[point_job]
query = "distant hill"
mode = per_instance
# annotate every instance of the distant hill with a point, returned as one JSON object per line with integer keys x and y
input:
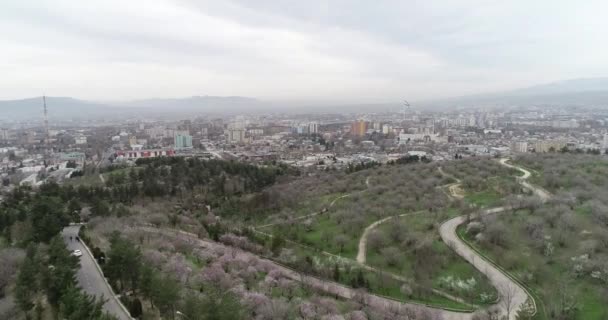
{"x": 64, "y": 107}
{"x": 580, "y": 92}
{"x": 70, "y": 108}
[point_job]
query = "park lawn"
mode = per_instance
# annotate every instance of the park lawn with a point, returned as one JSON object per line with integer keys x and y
{"x": 321, "y": 237}
{"x": 425, "y": 225}
{"x": 548, "y": 273}
{"x": 307, "y": 207}
{"x": 86, "y": 180}
{"x": 378, "y": 284}
{"x": 483, "y": 199}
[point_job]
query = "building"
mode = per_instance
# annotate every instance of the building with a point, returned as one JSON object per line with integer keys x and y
{"x": 519, "y": 147}
{"x": 80, "y": 140}
{"x": 358, "y": 128}
{"x": 605, "y": 142}
{"x": 183, "y": 141}
{"x": 132, "y": 140}
{"x": 548, "y": 145}
{"x": 313, "y": 128}
{"x": 387, "y": 128}
{"x": 136, "y": 154}
{"x": 235, "y": 135}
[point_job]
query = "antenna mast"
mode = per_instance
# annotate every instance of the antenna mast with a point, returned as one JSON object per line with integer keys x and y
{"x": 46, "y": 122}
{"x": 406, "y": 107}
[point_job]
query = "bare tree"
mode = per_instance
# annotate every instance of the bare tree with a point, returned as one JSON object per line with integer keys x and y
{"x": 507, "y": 301}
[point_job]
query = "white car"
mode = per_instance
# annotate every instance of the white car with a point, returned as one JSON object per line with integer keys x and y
{"x": 77, "y": 253}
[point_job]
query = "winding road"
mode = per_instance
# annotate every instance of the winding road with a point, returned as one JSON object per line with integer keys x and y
{"x": 512, "y": 295}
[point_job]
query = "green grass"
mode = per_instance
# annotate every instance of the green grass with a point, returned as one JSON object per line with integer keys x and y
{"x": 548, "y": 273}
{"x": 88, "y": 180}
{"x": 388, "y": 287}
{"x": 483, "y": 199}
{"x": 424, "y": 226}
{"x": 322, "y": 237}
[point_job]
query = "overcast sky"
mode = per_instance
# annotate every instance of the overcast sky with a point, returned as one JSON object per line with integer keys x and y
{"x": 295, "y": 50}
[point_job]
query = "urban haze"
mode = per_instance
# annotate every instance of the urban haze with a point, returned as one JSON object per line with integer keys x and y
{"x": 309, "y": 160}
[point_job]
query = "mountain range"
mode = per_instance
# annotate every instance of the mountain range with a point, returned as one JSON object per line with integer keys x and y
{"x": 574, "y": 92}
{"x": 592, "y": 91}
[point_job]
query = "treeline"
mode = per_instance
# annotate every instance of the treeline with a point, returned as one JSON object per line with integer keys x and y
{"x": 38, "y": 216}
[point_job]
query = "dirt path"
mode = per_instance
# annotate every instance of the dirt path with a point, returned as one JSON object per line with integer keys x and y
{"x": 454, "y": 189}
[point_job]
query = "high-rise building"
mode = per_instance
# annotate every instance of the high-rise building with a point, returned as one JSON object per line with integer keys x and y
{"x": 235, "y": 135}
{"x": 358, "y": 128}
{"x": 183, "y": 141}
{"x": 313, "y": 128}
{"x": 387, "y": 128}
{"x": 605, "y": 142}
{"x": 519, "y": 147}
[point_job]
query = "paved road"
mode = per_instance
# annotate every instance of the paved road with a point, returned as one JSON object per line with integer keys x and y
{"x": 89, "y": 277}
{"x": 509, "y": 290}
{"x": 512, "y": 294}
{"x": 503, "y": 284}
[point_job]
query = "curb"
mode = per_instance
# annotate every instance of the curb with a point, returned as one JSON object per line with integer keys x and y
{"x": 114, "y": 296}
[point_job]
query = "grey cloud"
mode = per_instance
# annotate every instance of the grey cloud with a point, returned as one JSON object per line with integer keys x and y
{"x": 375, "y": 50}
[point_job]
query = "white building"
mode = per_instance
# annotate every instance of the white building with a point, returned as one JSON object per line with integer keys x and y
{"x": 80, "y": 140}
{"x": 519, "y": 146}
{"x": 313, "y": 128}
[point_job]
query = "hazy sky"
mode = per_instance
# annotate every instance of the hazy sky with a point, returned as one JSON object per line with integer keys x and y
{"x": 289, "y": 50}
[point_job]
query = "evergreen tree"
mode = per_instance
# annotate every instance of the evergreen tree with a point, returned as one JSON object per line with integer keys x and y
{"x": 27, "y": 280}
{"x": 61, "y": 272}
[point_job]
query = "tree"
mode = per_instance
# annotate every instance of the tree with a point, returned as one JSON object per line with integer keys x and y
{"x": 124, "y": 262}
{"x": 48, "y": 218}
{"x": 27, "y": 280}
{"x": 10, "y": 259}
{"x": 100, "y": 208}
{"x": 135, "y": 308}
{"x": 76, "y": 305}
{"x": 166, "y": 293}
{"x": 60, "y": 275}
{"x": 74, "y": 208}
{"x": 526, "y": 311}
{"x": 221, "y": 305}
{"x": 336, "y": 273}
{"x": 276, "y": 244}
{"x": 340, "y": 241}
{"x": 507, "y": 299}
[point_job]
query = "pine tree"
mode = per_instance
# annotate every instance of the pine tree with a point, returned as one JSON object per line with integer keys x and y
{"x": 27, "y": 281}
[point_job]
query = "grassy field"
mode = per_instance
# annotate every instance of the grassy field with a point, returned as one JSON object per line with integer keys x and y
{"x": 421, "y": 237}
{"x": 376, "y": 282}
{"x": 548, "y": 265}
{"x": 89, "y": 180}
